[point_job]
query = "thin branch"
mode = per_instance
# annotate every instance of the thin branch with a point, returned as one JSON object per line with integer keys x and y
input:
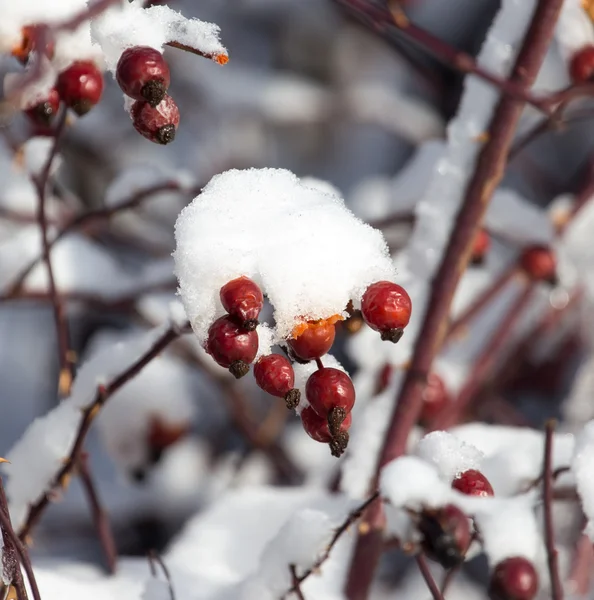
{"x": 351, "y": 518}
{"x": 556, "y": 586}
{"x": 295, "y": 583}
{"x": 221, "y": 59}
{"x": 18, "y": 546}
{"x": 100, "y": 516}
{"x": 103, "y": 393}
{"x": 426, "y": 573}
{"x": 487, "y": 174}
{"x": 154, "y": 557}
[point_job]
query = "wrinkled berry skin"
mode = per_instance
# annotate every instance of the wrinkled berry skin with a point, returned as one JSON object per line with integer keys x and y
{"x": 330, "y": 388}
{"x": 473, "y": 483}
{"x": 80, "y": 86}
{"x": 435, "y": 398}
{"x": 243, "y": 299}
{"x": 481, "y": 245}
{"x": 229, "y": 344}
{"x": 446, "y": 535}
{"x": 157, "y": 124}
{"x": 581, "y": 66}
{"x": 143, "y": 74}
{"x": 43, "y": 112}
{"x": 386, "y": 307}
{"x": 514, "y": 578}
{"x": 539, "y": 263}
{"x": 314, "y": 342}
{"x": 317, "y": 427}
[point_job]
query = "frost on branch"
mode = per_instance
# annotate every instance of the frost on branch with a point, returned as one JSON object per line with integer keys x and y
{"x": 308, "y": 253}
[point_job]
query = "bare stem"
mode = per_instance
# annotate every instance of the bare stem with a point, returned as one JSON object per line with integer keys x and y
{"x": 426, "y": 573}
{"x": 221, "y": 59}
{"x": 296, "y": 583}
{"x": 154, "y": 557}
{"x": 556, "y": 586}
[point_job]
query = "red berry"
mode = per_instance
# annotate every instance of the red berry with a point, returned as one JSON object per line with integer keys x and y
{"x": 314, "y": 341}
{"x": 446, "y": 535}
{"x": 43, "y": 112}
{"x": 435, "y": 398}
{"x": 318, "y": 429}
{"x": 539, "y": 263}
{"x": 274, "y": 374}
{"x": 143, "y": 74}
{"x": 514, "y": 578}
{"x": 162, "y": 435}
{"x": 383, "y": 379}
{"x": 386, "y": 308}
{"x": 481, "y": 245}
{"x": 473, "y": 483}
{"x": 243, "y": 299}
{"x": 328, "y": 389}
{"x": 581, "y": 65}
{"x": 232, "y": 346}
{"x": 157, "y": 124}
{"x": 80, "y": 86}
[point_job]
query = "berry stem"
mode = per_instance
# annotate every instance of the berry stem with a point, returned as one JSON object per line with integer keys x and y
{"x": 556, "y": 586}
{"x": 487, "y": 174}
{"x": 221, "y": 59}
{"x": 426, "y": 573}
{"x": 319, "y": 363}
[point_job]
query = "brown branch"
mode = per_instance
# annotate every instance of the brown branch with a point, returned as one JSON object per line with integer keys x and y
{"x": 154, "y": 557}
{"x": 487, "y": 174}
{"x": 296, "y": 583}
{"x": 100, "y": 516}
{"x": 351, "y": 518}
{"x": 17, "y": 545}
{"x": 40, "y": 182}
{"x": 426, "y": 573}
{"x": 103, "y": 393}
{"x": 556, "y": 586}
{"x": 221, "y": 59}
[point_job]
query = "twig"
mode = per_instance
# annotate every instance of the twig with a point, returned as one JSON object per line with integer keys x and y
{"x": 100, "y": 516}
{"x": 556, "y": 586}
{"x": 488, "y": 172}
{"x": 103, "y": 393}
{"x": 18, "y": 546}
{"x": 154, "y": 557}
{"x": 581, "y": 568}
{"x": 426, "y": 573}
{"x": 295, "y": 583}
{"x": 351, "y": 518}
{"x": 221, "y": 59}
{"x": 40, "y": 182}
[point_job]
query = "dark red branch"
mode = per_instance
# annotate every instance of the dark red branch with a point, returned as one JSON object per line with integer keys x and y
{"x": 222, "y": 59}
{"x": 426, "y": 573}
{"x": 155, "y": 558}
{"x": 556, "y": 586}
{"x": 296, "y": 583}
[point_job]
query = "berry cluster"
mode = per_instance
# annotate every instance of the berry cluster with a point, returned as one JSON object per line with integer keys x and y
{"x": 142, "y": 73}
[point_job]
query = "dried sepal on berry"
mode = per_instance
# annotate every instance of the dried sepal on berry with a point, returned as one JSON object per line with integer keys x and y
{"x": 386, "y": 307}
{"x": 143, "y": 74}
{"x": 80, "y": 86}
{"x": 274, "y": 374}
{"x": 329, "y": 388}
{"x": 318, "y": 428}
{"x": 231, "y": 346}
{"x": 157, "y": 124}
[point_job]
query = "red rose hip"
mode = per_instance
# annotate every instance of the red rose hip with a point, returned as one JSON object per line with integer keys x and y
{"x": 80, "y": 86}
{"x": 514, "y": 578}
{"x": 318, "y": 429}
{"x": 446, "y": 535}
{"x": 480, "y": 247}
{"x": 539, "y": 263}
{"x": 274, "y": 374}
{"x": 581, "y": 65}
{"x": 43, "y": 112}
{"x": 231, "y": 346}
{"x": 243, "y": 299}
{"x": 386, "y": 307}
{"x": 472, "y": 483}
{"x": 315, "y": 340}
{"x": 143, "y": 74}
{"x": 157, "y": 124}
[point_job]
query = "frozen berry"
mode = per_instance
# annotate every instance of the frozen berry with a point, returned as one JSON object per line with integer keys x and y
{"x": 243, "y": 299}
{"x": 514, "y": 578}
{"x": 435, "y": 398}
{"x": 43, "y": 112}
{"x": 317, "y": 428}
{"x": 581, "y": 66}
{"x": 274, "y": 374}
{"x": 162, "y": 435}
{"x": 80, "y": 86}
{"x": 331, "y": 394}
{"x": 231, "y": 346}
{"x": 386, "y": 308}
{"x": 383, "y": 379}
{"x": 445, "y": 535}
{"x": 314, "y": 341}
{"x": 157, "y": 124}
{"x": 480, "y": 247}
{"x": 30, "y": 40}
{"x": 539, "y": 263}
{"x": 472, "y": 483}
{"x": 143, "y": 74}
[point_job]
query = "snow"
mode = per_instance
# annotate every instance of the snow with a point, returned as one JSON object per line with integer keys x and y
{"x": 574, "y": 29}
{"x": 450, "y": 455}
{"x": 581, "y": 466}
{"x": 244, "y": 220}
{"x": 155, "y": 589}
